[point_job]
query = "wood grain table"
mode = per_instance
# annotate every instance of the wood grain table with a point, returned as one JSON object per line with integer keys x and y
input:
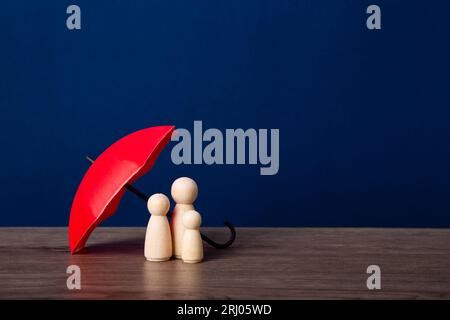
{"x": 264, "y": 263}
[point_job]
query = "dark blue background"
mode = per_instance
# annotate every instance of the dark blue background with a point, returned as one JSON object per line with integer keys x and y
{"x": 364, "y": 116}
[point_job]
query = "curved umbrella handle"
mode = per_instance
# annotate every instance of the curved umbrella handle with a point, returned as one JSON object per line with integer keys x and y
{"x": 212, "y": 243}
{"x": 225, "y": 244}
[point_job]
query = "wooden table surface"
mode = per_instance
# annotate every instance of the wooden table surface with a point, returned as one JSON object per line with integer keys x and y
{"x": 264, "y": 263}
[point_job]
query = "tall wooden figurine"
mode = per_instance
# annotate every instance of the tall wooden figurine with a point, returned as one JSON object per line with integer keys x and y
{"x": 158, "y": 239}
{"x": 184, "y": 192}
{"x": 192, "y": 251}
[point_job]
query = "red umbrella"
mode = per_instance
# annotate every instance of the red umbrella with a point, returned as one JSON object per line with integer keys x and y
{"x": 103, "y": 185}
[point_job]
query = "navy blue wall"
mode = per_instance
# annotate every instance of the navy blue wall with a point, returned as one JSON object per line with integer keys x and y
{"x": 364, "y": 116}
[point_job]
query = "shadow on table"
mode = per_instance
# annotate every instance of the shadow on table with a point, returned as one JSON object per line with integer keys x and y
{"x": 116, "y": 247}
{"x": 135, "y": 246}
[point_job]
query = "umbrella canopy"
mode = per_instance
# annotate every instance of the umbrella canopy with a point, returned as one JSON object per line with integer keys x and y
{"x": 103, "y": 185}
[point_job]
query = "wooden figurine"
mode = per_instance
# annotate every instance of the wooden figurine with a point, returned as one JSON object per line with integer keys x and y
{"x": 192, "y": 251}
{"x": 158, "y": 239}
{"x": 184, "y": 192}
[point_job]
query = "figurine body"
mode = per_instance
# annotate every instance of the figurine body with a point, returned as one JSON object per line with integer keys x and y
{"x": 158, "y": 238}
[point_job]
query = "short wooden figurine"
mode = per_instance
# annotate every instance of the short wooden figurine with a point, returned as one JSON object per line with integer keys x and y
{"x": 192, "y": 250}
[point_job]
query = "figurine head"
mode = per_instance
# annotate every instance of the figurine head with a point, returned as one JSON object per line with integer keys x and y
{"x": 158, "y": 204}
{"x": 192, "y": 219}
{"x": 184, "y": 190}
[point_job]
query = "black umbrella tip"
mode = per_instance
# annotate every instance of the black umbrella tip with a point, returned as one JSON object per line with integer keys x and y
{"x": 90, "y": 159}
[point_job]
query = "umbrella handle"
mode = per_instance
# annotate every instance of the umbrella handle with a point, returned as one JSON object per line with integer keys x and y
{"x": 212, "y": 243}
{"x": 225, "y": 244}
